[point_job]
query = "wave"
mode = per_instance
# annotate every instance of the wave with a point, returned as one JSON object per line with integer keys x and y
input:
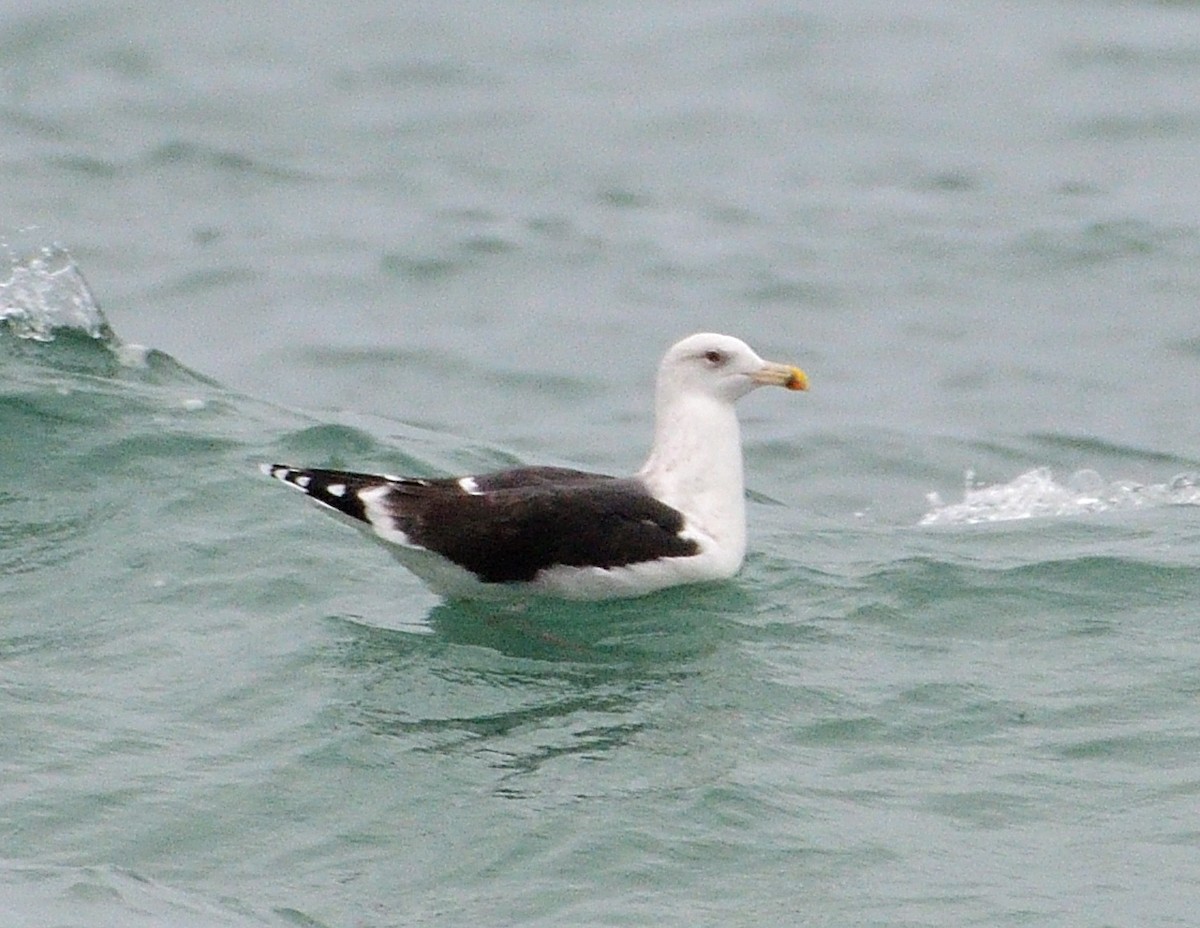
{"x": 45, "y": 293}
{"x": 63, "y": 363}
{"x": 45, "y": 298}
{"x": 104, "y": 895}
{"x": 1037, "y": 494}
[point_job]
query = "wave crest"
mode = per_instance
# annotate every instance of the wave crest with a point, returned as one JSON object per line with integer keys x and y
{"x": 1036, "y": 494}
{"x": 44, "y": 293}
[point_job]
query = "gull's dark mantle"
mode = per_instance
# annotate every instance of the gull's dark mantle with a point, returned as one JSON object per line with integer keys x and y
{"x": 510, "y": 525}
{"x": 563, "y": 532}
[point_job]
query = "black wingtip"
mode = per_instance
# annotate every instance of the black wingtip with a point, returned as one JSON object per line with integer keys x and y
{"x": 334, "y": 489}
{"x": 283, "y": 473}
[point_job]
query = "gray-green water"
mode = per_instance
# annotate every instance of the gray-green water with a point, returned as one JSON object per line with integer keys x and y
{"x": 439, "y": 239}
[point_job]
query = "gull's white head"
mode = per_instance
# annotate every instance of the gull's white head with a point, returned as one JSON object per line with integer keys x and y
{"x": 722, "y": 367}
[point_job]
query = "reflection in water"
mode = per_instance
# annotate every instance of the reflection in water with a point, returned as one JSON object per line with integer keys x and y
{"x": 520, "y": 688}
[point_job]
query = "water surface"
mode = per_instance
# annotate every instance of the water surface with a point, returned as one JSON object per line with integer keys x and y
{"x": 955, "y": 683}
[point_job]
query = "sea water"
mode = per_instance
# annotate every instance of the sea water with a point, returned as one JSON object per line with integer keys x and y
{"x": 956, "y": 681}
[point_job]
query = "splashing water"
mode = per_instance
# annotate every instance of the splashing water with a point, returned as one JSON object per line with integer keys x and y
{"x": 1036, "y": 494}
{"x": 45, "y": 292}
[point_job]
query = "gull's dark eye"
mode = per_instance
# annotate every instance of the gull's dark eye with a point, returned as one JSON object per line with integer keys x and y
{"x": 714, "y": 357}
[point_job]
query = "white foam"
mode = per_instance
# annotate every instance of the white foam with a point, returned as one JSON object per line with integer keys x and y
{"x": 1036, "y": 494}
{"x": 45, "y": 292}
{"x": 132, "y": 356}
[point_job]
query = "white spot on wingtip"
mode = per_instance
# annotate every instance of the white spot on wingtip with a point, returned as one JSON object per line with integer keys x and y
{"x": 470, "y": 486}
{"x": 336, "y": 489}
{"x": 303, "y": 482}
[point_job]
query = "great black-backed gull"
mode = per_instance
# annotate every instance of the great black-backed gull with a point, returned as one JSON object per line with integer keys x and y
{"x": 566, "y": 533}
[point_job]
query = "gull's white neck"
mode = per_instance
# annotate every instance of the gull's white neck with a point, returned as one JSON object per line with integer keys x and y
{"x": 695, "y": 466}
